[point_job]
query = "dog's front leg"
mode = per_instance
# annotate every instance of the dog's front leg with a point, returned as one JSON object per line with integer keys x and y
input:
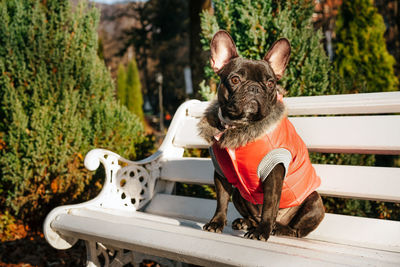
{"x": 272, "y": 187}
{"x": 224, "y": 190}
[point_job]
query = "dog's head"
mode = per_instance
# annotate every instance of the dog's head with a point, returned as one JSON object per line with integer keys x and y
{"x": 248, "y": 90}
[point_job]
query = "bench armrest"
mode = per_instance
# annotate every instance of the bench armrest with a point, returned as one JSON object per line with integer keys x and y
{"x": 128, "y": 186}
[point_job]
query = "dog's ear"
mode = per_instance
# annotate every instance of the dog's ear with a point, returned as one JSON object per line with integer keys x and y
{"x": 223, "y": 49}
{"x": 278, "y": 56}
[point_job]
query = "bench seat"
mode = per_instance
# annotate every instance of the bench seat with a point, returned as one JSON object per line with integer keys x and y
{"x": 183, "y": 240}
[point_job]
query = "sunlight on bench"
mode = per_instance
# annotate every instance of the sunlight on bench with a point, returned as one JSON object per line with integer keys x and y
{"x": 136, "y": 216}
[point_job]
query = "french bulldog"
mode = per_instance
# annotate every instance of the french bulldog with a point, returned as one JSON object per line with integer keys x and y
{"x": 259, "y": 158}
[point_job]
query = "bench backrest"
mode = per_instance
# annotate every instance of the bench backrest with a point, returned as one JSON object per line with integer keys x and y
{"x": 359, "y": 123}
{"x": 378, "y": 134}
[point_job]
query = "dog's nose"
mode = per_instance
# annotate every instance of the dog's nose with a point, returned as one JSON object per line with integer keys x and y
{"x": 254, "y": 89}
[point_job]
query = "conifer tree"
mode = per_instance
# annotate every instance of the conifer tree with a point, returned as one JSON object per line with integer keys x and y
{"x": 255, "y": 25}
{"x": 121, "y": 84}
{"x": 57, "y": 103}
{"x": 134, "y": 90}
{"x": 361, "y": 58}
{"x": 129, "y": 89}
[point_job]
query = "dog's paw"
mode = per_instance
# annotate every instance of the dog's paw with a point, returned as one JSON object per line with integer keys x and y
{"x": 284, "y": 230}
{"x": 215, "y": 227}
{"x": 258, "y": 233}
{"x": 241, "y": 224}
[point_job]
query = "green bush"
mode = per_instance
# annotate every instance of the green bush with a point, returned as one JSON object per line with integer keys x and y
{"x": 361, "y": 57}
{"x": 56, "y": 104}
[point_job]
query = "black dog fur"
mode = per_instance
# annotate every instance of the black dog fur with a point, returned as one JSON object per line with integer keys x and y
{"x": 247, "y": 99}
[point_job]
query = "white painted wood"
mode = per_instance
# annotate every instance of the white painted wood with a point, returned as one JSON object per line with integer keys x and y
{"x": 171, "y": 225}
{"x": 348, "y": 134}
{"x": 372, "y": 183}
{"x": 353, "y": 134}
{"x": 188, "y": 136}
{"x": 341, "y": 229}
{"x": 188, "y": 170}
{"x": 368, "y": 103}
{"x": 167, "y": 149}
{"x": 183, "y": 241}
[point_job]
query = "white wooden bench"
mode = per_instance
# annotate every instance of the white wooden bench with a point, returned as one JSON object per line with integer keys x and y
{"x": 136, "y": 216}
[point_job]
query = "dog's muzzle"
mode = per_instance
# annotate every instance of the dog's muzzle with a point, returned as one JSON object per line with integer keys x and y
{"x": 226, "y": 123}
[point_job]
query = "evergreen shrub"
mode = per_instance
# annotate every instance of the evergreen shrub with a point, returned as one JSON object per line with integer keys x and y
{"x": 56, "y": 104}
{"x": 361, "y": 57}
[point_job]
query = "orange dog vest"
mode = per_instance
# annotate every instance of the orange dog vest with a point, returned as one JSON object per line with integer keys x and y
{"x": 246, "y": 167}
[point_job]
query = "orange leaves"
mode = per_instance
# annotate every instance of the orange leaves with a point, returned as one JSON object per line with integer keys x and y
{"x": 79, "y": 155}
{"x": 11, "y": 229}
{"x": 41, "y": 190}
{"x": 54, "y": 186}
{"x": 2, "y": 144}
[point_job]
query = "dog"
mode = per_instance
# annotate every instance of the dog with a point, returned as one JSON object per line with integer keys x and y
{"x": 258, "y": 157}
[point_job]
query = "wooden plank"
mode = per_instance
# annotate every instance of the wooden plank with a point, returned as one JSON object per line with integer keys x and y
{"x": 368, "y": 103}
{"x": 184, "y": 241}
{"x": 371, "y": 183}
{"x": 360, "y": 182}
{"x": 348, "y": 134}
{"x": 185, "y": 244}
{"x": 340, "y": 229}
{"x": 352, "y": 134}
{"x": 188, "y": 135}
{"x": 188, "y": 170}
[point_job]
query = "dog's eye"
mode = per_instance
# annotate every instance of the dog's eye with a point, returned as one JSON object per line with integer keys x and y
{"x": 270, "y": 84}
{"x": 235, "y": 79}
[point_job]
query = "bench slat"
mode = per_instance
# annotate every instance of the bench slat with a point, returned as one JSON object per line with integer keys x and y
{"x": 373, "y": 183}
{"x": 369, "y": 103}
{"x": 184, "y": 241}
{"x": 349, "y": 134}
{"x": 347, "y": 230}
{"x": 353, "y": 134}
